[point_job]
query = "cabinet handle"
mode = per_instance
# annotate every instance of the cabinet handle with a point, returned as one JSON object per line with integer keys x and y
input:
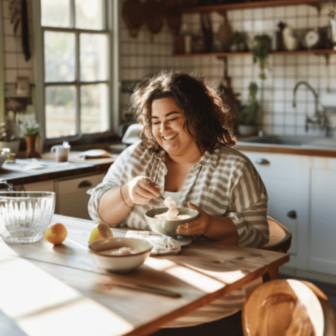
{"x": 85, "y": 184}
{"x": 291, "y": 214}
{"x": 262, "y": 162}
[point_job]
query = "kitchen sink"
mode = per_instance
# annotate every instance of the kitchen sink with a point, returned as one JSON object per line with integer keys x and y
{"x": 290, "y": 141}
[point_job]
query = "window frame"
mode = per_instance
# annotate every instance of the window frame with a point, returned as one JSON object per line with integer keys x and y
{"x": 2, "y": 73}
{"x": 111, "y": 28}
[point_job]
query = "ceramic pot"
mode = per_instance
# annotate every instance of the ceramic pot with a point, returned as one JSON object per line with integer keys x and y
{"x": 247, "y": 129}
{"x": 31, "y": 151}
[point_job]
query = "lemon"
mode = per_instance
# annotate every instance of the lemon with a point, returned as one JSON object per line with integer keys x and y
{"x": 56, "y": 233}
{"x": 101, "y": 231}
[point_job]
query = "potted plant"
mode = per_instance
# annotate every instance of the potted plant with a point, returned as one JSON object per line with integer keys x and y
{"x": 238, "y": 42}
{"x": 8, "y": 138}
{"x": 246, "y": 115}
{"x": 31, "y": 130}
{"x": 261, "y": 48}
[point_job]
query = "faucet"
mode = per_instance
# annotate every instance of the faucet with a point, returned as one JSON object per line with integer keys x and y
{"x": 317, "y": 119}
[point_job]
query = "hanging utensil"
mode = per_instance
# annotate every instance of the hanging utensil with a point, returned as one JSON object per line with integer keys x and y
{"x": 133, "y": 16}
{"x": 153, "y": 12}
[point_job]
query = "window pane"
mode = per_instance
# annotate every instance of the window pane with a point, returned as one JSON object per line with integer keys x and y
{"x": 89, "y": 14}
{"x": 93, "y": 57}
{"x": 60, "y": 111}
{"x": 59, "y": 54}
{"x": 55, "y": 13}
{"x": 94, "y": 108}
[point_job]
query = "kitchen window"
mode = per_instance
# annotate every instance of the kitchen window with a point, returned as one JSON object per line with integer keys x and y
{"x": 77, "y": 68}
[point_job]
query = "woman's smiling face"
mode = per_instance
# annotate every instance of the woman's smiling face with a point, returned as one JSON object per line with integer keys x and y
{"x": 168, "y": 120}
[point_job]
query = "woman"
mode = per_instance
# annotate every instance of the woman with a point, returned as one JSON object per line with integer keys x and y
{"x": 186, "y": 153}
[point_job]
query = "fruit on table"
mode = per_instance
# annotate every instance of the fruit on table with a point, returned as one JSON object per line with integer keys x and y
{"x": 101, "y": 231}
{"x": 56, "y": 233}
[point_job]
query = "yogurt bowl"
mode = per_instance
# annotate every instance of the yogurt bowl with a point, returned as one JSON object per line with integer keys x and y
{"x": 166, "y": 226}
{"x": 104, "y": 253}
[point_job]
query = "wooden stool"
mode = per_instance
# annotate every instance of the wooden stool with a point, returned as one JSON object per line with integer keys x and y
{"x": 288, "y": 307}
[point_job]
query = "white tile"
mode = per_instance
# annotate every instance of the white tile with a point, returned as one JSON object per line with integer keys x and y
{"x": 10, "y": 43}
{"x": 290, "y": 11}
{"x": 280, "y": 13}
{"x": 302, "y": 10}
{"x": 279, "y": 95}
{"x": 258, "y": 13}
{"x": 5, "y": 9}
{"x": 9, "y": 28}
{"x": 10, "y": 60}
{"x": 311, "y": 11}
{"x": 248, "y": 14}
{"x": 278, "y": 130}
{"x": 278, "y": 107}
{"x": 248, "y": 25}
{"x": 302, "y": 22}
{"x": 290, "y": 120}
{"x": 289, "y": 130}
{"x": 10, "y": 76}
{"x": 313, "y": 22}
{"x": 22, "y": 63}
{"x": 27, "y": 73}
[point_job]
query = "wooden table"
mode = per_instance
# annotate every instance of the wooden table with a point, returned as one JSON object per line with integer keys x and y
{"x": 47, "y": 290}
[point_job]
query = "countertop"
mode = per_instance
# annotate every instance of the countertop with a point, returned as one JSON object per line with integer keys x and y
{"x": 54, "y": 170}
{"x": 76, "y": 165}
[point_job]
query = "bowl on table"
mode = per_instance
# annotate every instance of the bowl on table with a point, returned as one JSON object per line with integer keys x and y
{"x": 121, "y": 263}
{"x": 166, "y": 226}
{"x": 24, "y": 216}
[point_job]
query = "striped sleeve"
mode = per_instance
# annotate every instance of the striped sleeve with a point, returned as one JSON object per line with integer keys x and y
{"x": 248, "y": 208}
{"x": 110, "y": 181}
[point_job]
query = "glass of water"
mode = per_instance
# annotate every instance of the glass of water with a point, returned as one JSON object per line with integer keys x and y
{"x": 24, "y": 216}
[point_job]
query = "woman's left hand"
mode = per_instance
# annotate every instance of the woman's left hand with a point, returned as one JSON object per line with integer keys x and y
{"x": 199, "y": 226}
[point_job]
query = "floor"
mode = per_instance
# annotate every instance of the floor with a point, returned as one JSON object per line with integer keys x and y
{"x": 327, "y": 288}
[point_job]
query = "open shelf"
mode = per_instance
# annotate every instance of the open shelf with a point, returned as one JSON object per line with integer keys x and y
{"x": 250, "y": 4}
{"x": 225, "y": 54}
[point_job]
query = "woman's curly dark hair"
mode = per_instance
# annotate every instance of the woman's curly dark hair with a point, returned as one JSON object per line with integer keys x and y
{"x": 205, "y": 111}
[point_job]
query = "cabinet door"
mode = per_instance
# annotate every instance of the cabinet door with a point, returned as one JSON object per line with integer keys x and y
{"x": 279, "y": 173}
{"x": 283, "y": 197}
{"x": 71, "y": 197}
{"x": 322, "y": 256}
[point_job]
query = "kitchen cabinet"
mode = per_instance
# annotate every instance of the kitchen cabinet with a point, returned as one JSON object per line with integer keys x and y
{"x": 322, "y": 255}
{"x": 302, "y": 196}
{"x": 280, "y": 175}
{"x": 71, "y": 196}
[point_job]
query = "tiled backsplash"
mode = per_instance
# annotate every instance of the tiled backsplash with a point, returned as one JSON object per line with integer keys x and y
{"x": 15, "y": 64}
{"x": 140, "y": 57}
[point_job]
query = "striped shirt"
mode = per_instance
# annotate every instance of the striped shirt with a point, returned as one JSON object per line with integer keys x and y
{"x": 224, "y": 183}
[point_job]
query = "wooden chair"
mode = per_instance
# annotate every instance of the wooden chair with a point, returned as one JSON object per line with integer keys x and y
{"x": 288, "y": 307}
{"x": 280, "y": 237}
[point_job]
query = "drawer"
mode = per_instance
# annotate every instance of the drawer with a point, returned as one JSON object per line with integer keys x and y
{"x": 78, "y": 184}
{"x": 274, "y": 165}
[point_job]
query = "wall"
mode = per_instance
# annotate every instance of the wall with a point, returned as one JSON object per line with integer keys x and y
{"x": 140, "y": 57}
{"x": 15, "y": 64}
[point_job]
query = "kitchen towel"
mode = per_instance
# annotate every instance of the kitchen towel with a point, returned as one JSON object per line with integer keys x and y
{"x": 161, "y": 244}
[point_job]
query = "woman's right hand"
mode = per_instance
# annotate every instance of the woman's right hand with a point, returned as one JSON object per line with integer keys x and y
{"x": 142, "y": 189}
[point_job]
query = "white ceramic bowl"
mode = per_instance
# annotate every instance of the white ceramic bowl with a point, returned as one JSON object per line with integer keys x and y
{"x": 120, "y": 263}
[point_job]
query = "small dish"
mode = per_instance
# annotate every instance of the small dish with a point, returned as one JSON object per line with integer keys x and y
{"x": 120, "y": 263}
{"x": 168, "y": 227}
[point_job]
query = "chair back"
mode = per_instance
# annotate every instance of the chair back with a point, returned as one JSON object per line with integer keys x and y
{"x": 280, "y": 237}
{"x": 288, "y": 307}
